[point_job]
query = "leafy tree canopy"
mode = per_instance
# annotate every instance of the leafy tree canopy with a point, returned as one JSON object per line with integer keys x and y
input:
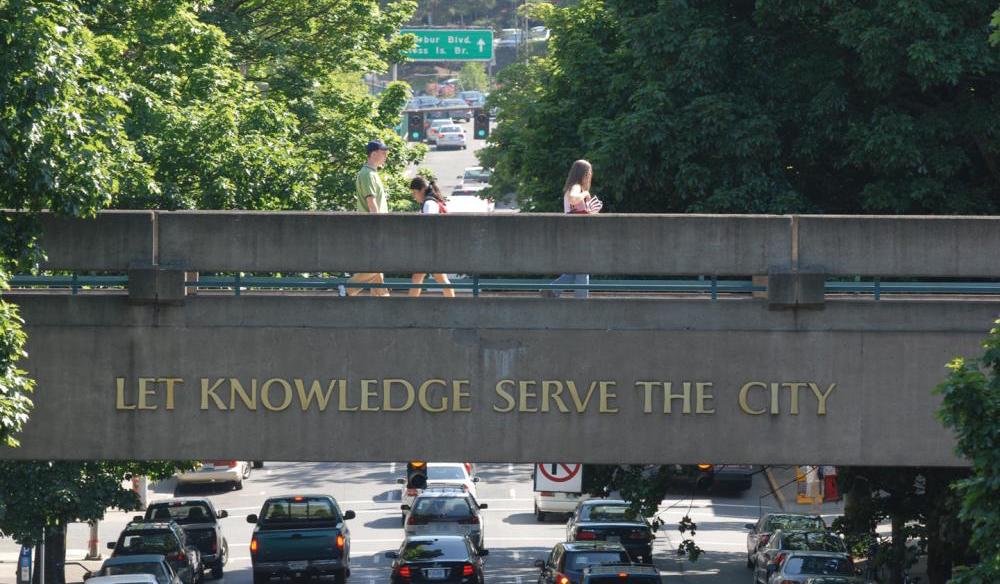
{"x": 774, "y": 106}
{"x": 971, "y": 407}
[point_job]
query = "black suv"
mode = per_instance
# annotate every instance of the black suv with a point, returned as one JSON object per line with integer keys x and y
{"x": 200, "y": 522}
{"x": 621, "y": 575}
{"x": 164, "y": 538}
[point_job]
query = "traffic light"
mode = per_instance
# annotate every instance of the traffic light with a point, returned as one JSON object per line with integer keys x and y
{"x": 706, "y": 476}
{"x": 415, "y": 127}
{"x": 416, "y": 474}
{"x": 481, "y": 127}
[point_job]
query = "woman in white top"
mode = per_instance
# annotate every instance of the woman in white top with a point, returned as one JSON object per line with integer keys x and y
{"x": 431, "y": 202}
{"x": 577, "y": 200}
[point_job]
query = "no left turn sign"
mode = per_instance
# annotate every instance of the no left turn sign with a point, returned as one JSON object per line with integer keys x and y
{"x": 559, "y": 477}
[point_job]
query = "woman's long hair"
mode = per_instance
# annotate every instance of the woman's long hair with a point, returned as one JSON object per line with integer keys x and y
{"x": 579, "y": 174}
{"x": 428, "y": 188}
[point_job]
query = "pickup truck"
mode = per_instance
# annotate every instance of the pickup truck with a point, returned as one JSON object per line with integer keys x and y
{"x": 200, "y": 522}
{"x": 301, "y": 536}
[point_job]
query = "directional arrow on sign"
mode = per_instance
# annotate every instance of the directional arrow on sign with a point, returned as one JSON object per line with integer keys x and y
{"x": 481, "y": 44}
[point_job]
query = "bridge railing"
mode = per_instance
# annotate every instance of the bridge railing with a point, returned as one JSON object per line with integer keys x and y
{"x": 797, "y": 253}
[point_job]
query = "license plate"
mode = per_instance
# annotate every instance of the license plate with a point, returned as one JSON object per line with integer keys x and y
{"x": 298, "y": 565}
{"x": 613, "y": 538}
{"x": 436, "y": 573}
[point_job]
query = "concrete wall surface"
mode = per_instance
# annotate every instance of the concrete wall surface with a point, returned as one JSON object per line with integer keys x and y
{"x": 100, "y": 360}
{"x": 737, "y": 245}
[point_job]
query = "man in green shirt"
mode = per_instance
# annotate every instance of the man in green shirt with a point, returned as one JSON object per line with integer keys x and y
{"x": 371, "y": 198}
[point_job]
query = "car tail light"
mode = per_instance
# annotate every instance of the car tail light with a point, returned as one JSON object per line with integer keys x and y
{"x": 340, "y": 541}
{"x": 181, "y": 557}
{"x": 412, "y": 520}
{"x": 215, "y": 546}
{"x": 780, "y": 558}
{"x": 411, "y": 492}
{"x": 562, "y": 578}
{"x": 253, "y": 545}
{"x": 470, "y": 521}
{"x": 225, "y": 463}
{"x": 546, "y": 494}
{"x": 468, "y": 570}
{"x": 404, "y": 572}
{"x": 586, "y": 535}
{"x": 622, "y": 574}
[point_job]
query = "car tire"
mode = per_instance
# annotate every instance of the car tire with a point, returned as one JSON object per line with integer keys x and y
{"x": 539, "y": 514}
{"x": 217, "y": 572}
{"x": 340, "y": 576}
{"x": 238, "y": 485}
{"x": 246, "y": 470}
{"x": 258, "y": 464}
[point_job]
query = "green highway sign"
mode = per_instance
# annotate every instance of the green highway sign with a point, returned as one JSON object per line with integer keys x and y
{"x": 440, "y": 44}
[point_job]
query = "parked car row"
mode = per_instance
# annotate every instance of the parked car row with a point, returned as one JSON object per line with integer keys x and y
{"x": 793, "y": 547}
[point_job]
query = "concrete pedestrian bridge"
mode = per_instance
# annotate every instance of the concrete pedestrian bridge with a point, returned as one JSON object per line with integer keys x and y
{"x": 803, "y": 371}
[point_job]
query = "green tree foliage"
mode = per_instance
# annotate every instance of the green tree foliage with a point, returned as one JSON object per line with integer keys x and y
{"x": 774, "y": 106}
{"x": 473, "y": 77}
{"x": 919, "y": 505}
{"x": 50, "y": 495}
{"x": 971, "y": 407}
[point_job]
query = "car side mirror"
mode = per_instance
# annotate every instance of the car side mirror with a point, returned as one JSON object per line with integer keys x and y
{"x": 475, "y": 479}
{"x": 484, "y": 553}
{"x": 111, "y": 545}
{"x": 540, "y": 564}
{"x": 88, "y": 575}
{"x": 137, "y": 518}
{"x": 750, "y": 526}
{"x": 459, "y": 176}
{"x": 392, "y": 555}
{"x": 400, "y": 481}
{"x": 349, "y": 515}
{"x": 404, "y": 507}
{"x": 251, "y": 518}
{"x": 484, "y": 506}
{"x": 223, "y": 514}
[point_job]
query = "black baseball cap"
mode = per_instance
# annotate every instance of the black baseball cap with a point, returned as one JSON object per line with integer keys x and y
{"x": 375, "y": 145}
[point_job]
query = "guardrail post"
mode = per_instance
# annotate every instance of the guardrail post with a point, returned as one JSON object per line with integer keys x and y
{"x": 475, "y": 286}
{"x": 155, "y": 284}
{"x": 799, "y": 289}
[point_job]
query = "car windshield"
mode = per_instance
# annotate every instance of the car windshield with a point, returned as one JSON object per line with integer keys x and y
{"x": 137, "y": 568}
{"x": 577, "y": 561}
{"x": 182, "y": 513}
{"x": 147, "y": 542}
{"x": 815, "y": 541}
{"x": 476, "y": 175}
{"x": 448, "y": 508}
{"x": 449, "y": 549}
{"x": 299, "y": 510}
{"x": 606, "y": 513}
{"x": 794, "y": 522}
{"x": 822, "y": 565}
{"x": 439, "y": 473}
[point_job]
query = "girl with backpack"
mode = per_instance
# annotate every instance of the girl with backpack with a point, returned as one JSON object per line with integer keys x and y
{"x": 431, "y": 202}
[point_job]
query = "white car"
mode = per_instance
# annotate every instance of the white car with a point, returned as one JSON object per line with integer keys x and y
{"x": 436, "y": 125}
{"x": 461, "y": 475}
{"x": 446, "y": 511}
{"x": 217, "y": 471}
{"x": 552, "y": 502}
{"x": 124, "y": 579}
{"x": 467, "y": 200}
{"x": 475, "y": 177}
{"x": 451, "y": 137}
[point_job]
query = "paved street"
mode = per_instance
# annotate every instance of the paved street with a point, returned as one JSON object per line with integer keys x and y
{"x": 447, "y": 165}
{"x": 513, "y": 536}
